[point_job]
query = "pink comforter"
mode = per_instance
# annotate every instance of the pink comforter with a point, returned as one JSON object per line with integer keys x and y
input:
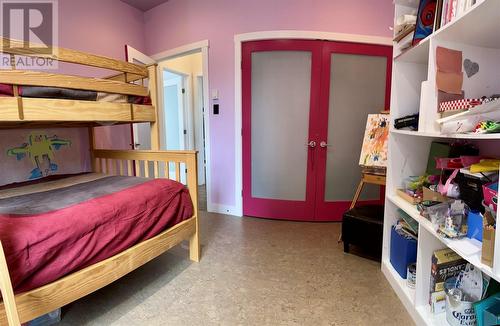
{"x": 53, "y": 228}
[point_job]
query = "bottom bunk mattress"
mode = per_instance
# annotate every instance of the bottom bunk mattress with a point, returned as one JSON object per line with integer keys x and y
{"x": 54, "y": 227}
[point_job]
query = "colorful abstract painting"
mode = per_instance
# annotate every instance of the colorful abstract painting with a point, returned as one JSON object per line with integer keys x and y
{"x": 425, "y": 20}
{"x": 374, "y": 150}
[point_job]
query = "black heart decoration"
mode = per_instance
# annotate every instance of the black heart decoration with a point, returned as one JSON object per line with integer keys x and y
{"x": 471, "y": 68}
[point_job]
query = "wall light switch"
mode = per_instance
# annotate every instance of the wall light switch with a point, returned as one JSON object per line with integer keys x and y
{"x": 215, "y": 94}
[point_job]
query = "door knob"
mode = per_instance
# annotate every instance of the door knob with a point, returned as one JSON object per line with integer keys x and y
{"x": 312, "y": 144}
{"x": 323, "y": 144}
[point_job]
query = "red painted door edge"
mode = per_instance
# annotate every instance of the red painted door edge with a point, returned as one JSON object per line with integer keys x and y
{"x": 270, "y": 208}
{"x": 333, "y": 211}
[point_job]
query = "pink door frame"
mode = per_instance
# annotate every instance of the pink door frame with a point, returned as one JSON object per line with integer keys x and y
{"x": 333, "y": 211}
{"x": 314, "y": 208}
{"x": 279, "y": 209}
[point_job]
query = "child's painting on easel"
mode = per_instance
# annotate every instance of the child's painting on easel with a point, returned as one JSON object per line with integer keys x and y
{"x": 374, "y": 150}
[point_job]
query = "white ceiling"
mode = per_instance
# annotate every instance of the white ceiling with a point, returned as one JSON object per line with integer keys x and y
{"x": 144, "y": 5}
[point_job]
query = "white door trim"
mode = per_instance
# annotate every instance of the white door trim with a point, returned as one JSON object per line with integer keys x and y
{"x": 271, "y": 35}
{"x": 186, "y": 49}
{"x": 181, "y": 50}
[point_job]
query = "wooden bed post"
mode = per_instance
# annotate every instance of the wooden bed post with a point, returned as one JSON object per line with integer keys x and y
{"x": 192, "y": 182}
{"x": 9, "y": 301}
{"x": 153, "y": 93}
{"x": 92, "y": 147}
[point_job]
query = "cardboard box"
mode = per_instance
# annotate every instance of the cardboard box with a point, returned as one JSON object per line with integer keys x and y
{"x": 488, "y": 245}
{"x": 433, "y": 196}
{"x": 445, "y": 264}
{"x": 412, "y": 200}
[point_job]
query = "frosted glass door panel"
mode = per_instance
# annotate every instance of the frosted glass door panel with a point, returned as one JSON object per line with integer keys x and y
{"x": 357, "y": 88}
{"x": 281, "y": 82}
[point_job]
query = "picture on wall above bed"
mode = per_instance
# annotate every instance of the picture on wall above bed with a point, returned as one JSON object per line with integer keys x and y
{"x": 32, "y": 154}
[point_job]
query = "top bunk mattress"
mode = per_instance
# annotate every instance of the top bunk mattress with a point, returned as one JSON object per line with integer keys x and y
{"x": 72, "y": 94}
{"x": 55, "y": 227}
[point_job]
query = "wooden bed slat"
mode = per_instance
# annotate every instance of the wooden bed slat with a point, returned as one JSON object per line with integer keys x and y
{"x": 167, "y": 156}
{"x": 146, "y": 169}
{"x": 79, "y": 284}
{"x": 120, "y": 162}
{"x": 177, "y": 171}
{"x": 9, "y": 109}
{"x": 39, "y": 109}
{"x": 73, "y": 56}
{"x": 130, "y": 169}
{"x": 36, "y": 78}
{"x": 143, "y": 113}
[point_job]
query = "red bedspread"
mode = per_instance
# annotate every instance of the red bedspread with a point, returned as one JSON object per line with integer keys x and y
{"x": 53, "y": 228}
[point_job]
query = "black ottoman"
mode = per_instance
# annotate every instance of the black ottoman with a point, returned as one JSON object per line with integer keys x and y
{"x": 363, "y": 226}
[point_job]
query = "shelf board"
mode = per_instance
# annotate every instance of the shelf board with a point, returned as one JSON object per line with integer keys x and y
{"x": 477, "y": 27}
{"x": 461, "y": 246}
{"x": 416, "y": 54}
{"x": 405, "y": 294}
{"x": 451, "y": 136}
{"x": 432, "y": 319}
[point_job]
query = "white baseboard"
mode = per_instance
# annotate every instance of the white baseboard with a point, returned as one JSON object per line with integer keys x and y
{"x": 224, "y": 209}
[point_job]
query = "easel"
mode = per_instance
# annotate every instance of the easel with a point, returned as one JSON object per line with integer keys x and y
{"x": 370, "y": 178}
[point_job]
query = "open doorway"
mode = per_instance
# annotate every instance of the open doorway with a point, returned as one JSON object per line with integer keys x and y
{"x": 182, "y": 98}
{"x": 183, "y": 109}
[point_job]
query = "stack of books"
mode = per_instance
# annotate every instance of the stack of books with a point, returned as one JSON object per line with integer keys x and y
{"x": 448, "y": 10}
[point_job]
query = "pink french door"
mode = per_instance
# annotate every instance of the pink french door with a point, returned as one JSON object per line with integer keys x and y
{"x": 304, "y": 113}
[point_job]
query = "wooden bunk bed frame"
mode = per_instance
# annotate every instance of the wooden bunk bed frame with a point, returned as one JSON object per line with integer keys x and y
{"x": 19, "y": 112}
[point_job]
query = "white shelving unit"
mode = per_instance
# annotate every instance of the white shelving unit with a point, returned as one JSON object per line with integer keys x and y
{"x": 477, "y": 34}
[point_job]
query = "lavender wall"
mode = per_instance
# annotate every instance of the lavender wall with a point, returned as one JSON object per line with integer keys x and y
{"x": 179, "y": 22}
{"x": 101, "y": 27}
{"x": 95, "y": 26}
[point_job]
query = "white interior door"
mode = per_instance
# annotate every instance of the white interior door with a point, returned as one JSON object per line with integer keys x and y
{"x": 141, "y": 131}
{"x": 173, "y": 106}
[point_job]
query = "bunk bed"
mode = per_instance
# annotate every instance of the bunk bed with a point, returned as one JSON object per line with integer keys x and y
{"x": 20, "y": 107}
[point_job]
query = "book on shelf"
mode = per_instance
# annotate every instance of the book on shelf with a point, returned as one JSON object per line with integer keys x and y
{"x": 451, "y": 9}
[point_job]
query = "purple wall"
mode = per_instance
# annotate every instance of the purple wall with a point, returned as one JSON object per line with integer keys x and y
{"x": 95, "y": 26}
{"x": 179, "y": 22}
{"x": 101, "y": 27}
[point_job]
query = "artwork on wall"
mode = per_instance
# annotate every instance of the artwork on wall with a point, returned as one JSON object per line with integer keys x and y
{"x": 31, "y": 154}
{"x": 374, "y": 150}
{"x": 40, "y": 149}
{"x": 425, "y": 20}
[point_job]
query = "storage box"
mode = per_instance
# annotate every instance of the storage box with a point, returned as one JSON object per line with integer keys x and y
{"x": 488, "y": 245}
{"x": 412, "y": 200}
{"x": 490, "y": 194}
{"x": 475, "y": 225}
{"x": 434, "y": 196}
{"x": 403, "y": 252}
{"x": 51, "y": 318}
{"x": 471, "y": 190}
{"x": 445, "y": 264}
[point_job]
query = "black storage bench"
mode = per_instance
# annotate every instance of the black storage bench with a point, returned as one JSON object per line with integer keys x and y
{"x": 362, "y": 226}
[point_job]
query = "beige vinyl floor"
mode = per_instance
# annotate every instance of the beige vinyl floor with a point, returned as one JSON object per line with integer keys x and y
{"x": 252, "y": 272}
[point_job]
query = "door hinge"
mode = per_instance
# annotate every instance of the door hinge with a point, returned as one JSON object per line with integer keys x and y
{"x": 185, "y": 132}
{"x": 183, "y": 90}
